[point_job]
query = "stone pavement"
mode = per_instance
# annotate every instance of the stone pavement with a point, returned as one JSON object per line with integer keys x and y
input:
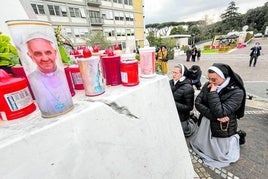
{"x": 253, "y": 162}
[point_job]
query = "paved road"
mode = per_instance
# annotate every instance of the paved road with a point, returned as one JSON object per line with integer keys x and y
{"x": 253, "y": 161}
{"x": 255, "y": 78}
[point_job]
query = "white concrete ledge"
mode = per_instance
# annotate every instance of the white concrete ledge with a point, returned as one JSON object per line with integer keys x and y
{"x": 127, "y": 132}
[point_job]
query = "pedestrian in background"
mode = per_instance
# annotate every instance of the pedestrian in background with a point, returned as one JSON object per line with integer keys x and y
{"x": 254, "y": 54}
{"x": 162, "y": 59}
{"x": 198, "y": 54}
{"x": 188, "y": 54}
{"x": 220, "y": 103}
{"x": 195, "y": 74}
{"x": 183, "y": 94}
{"x": 194, "y": 53}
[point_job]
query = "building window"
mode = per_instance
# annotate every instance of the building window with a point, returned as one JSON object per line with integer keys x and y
{"x": 94, "y": 14}
{"x": 95, "y": 17}
{"x": 127, "y": 15}
{"x": 118, "y": 1}
{"x": 38, "y": 8}
{"x": 82, "y": 11}
{"x": 123, "y": 32}
{"x": 119, "y": 16}
{"x": 128, "y": 2}
{"x": 54, "y": 10}
{"x": 116, "y": 15}
{"x": 107, "y": 15}
{"x": 130, "y": 32}
{"x": 74, "y": 12}
{"x": 63, "y": 11}
{"x": 120, "y": 32}
{"x": 131, "y": 17}
{"x": 81, "y": 32}
{"x": 109, "y": 32}
{"x": 68, "y": 32}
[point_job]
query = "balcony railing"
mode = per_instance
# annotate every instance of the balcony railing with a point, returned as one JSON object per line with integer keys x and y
{"x": 93, "y": 2}
{"x": 96, "y": 21}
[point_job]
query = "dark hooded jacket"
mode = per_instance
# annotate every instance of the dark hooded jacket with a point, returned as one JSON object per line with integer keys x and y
{"x": 195, "y": 77}
{"x": 183, "y": 94}
{"x": 257, "y": 49}
{"x": 230, "y": 101}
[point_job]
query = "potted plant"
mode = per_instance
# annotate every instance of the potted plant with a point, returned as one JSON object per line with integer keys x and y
{"x": 64, "y": 46}
{"x": 8, "y": 53}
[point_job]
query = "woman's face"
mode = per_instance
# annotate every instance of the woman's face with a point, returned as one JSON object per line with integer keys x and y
{"x": 215, "y": 79}
{"x": 176, "y": 74}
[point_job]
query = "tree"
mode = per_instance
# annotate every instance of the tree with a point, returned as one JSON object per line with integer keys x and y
{"x": 194, "y": 31}
{"x": 62, "y": 39}
{"x": 97, "y": 39}
{"x": 169, "y": 42}
{"x": 178, "y": 30}
{"x": 151, "y": 38}
{"x": 65, "y": 45}
{"x": 256, "y": 18}
{"x": 165, "y": 28}
{"x": 152, "y": 28}
{"x": 229, "y": 18}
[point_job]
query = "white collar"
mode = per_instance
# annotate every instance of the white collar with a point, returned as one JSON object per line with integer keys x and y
{"x": 182, "y": 78}
{"x": 224, "y": 84}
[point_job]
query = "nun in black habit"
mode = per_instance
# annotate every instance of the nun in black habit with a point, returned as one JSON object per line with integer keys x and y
{"x": 183, "y": 94}
{"x": 220, "y": 103}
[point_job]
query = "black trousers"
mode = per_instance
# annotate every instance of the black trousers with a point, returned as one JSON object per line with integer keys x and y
{"x": 197, "y": 85}
{"x": 253, "y": 58}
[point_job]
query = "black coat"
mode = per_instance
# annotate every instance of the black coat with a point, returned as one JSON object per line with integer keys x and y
{"x": 214, "y": 105}
{"x": 194, "y": 51}
{"x": 258, "y": 49}
{"x": 195, "y": 77}
{"x": 183, "y": 94}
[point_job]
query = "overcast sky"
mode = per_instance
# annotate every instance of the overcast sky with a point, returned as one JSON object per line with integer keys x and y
{"x": 158, "y": 11}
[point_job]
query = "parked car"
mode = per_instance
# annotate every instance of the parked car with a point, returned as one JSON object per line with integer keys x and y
{"x": 258, "y": 35}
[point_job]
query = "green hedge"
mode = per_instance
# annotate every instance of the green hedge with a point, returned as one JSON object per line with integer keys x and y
{"x": 210, "y": 51}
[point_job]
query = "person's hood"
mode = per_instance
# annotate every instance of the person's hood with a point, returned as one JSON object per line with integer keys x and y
{"x": 195, "y": 67}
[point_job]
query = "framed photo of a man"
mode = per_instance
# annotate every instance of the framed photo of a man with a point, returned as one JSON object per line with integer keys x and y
{"x": 40, "y": 57}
